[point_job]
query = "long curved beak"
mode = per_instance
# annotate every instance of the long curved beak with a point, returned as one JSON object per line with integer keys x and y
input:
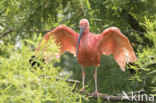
{"x": 78, "y": 43}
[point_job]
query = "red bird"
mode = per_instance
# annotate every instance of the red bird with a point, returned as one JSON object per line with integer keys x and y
{"x": 88, "y": 47}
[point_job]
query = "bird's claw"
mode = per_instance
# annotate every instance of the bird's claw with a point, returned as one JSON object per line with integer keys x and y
{"x": 82, "y": 90}
{"x": 96, "y": 94}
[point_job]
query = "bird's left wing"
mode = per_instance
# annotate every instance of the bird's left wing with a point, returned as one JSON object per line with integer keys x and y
{"x": 64, "y": 36}
{"x": 112, "y": 41}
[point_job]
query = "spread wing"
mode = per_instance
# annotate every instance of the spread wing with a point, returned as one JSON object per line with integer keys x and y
{"x": 64, "y": 36}
{"x": 112, "y": 41}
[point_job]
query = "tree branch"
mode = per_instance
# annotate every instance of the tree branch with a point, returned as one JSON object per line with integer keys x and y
{"x": 5, "y": 33}
{"x": 135, "y": 25}
{"x": 132, "y": 21}
{"x": 129, "y": 31}
{"x": 67, "y": 80}
{"x": 39, "y": 31}
{"x": 121, "y": 98}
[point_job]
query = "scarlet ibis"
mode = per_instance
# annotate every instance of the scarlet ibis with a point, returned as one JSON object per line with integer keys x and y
{"x": 88, "y": 47}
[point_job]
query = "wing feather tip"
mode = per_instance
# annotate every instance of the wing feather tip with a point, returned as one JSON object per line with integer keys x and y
{"x": 133, "y": 59}
{"x": 122, "y": 68}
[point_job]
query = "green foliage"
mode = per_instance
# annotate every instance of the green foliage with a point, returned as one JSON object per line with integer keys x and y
{"x": 20, "y": 82}
{"x": 146, "y": 65}
{"x": 30, "y": 18}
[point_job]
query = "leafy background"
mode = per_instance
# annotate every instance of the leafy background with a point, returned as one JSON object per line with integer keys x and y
{"x": 24, "y": 22}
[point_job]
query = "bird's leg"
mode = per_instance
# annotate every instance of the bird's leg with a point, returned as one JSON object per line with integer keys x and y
{"x": 96, "y": 93}
{"x": 95, "y": 79}
{"x": 83, "y": 80}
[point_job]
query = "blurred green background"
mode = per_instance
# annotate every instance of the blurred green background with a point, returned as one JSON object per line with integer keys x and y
{"x": 30, "y": 19}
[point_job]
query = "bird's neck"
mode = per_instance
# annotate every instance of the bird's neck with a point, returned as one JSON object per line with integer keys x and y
{"x": 86, "y": 30}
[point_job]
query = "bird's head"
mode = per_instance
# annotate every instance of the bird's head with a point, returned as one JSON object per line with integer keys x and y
{"x": 84, "y": 29}
{"x": 85, "y": 25}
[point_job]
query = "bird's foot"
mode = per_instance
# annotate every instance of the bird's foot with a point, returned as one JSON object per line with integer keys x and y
{"x": 96, "y": 94}
{"x": 82, "y": 90}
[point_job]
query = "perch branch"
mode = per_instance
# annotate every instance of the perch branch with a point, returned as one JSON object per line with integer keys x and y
{"x": 121, "y": 98}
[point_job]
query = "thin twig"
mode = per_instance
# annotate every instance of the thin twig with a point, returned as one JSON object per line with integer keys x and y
{"x": 5, "y": 33}
{"x": 129, "y": 31}
{"x": 67, "y": 80}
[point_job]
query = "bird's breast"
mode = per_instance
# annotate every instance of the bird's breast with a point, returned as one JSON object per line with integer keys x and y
{"x": 88, "y": 54}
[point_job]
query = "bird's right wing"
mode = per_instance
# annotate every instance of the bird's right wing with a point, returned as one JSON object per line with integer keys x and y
{"x": 63, "y": 36}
